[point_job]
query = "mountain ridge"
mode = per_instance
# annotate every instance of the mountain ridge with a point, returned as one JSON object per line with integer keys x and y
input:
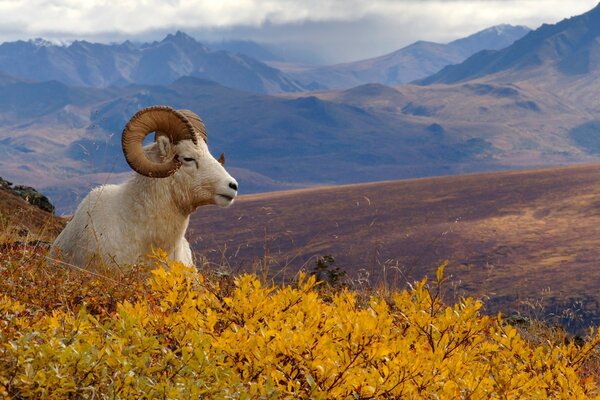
{"x": 569, "y": 47}
{"x": 82, "y": 63}
{"x": 407, "y": 64}
{"x": 370, "y": 132}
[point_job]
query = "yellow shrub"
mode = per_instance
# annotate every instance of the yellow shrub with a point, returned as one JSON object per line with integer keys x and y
{"x": 189, "y": 338}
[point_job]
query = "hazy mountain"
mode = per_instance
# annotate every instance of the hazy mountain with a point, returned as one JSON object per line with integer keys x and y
{"x": 371, "y": 132}
{"x": 415, "y": 61}
{"x": 101, "y": 65}
{"x": 35, "y": 100}
{"x": 74, "y": 140}
{"x": 564, "y": 51}
{"x": 64, "y": 140}
{"x": 493, "y": 38}
{"x": 285, "y": 138}
{"x": 231, "y": 63}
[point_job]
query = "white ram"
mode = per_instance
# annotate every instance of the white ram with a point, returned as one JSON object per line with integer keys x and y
{"x": 120, "y": 224}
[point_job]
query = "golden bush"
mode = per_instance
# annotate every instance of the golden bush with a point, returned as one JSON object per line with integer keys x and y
{"x": 187, "y": 336}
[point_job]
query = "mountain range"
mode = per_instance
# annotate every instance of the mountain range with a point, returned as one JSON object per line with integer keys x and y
{"x": 410, "y": 63}
{"x": 82, "y": 63}
{"x": 234, "y": 64}
{"x": 64, "y": 138}
{"x": 567, "y": 50}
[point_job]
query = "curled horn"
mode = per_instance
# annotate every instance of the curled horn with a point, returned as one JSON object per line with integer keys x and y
{"x": 196, "y": 122}
{"x": 164, "y": 120}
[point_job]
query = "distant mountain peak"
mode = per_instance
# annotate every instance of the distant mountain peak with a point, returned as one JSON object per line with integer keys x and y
{"x": 129, "y": 45}
{"x": 569, "y": 47}
{"x": 504, "y": 28}
{"x": 417, "y": 60}
{"x": 179, "y": 36}
{"x": 40, "y": 42}
{"x": 80, "y": 43}
{"x": 492, "y": 38}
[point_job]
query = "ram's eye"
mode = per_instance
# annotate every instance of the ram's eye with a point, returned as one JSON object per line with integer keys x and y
{"x": 188, "y": 159}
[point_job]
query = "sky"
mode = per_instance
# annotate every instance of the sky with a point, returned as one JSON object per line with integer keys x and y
{"x": 319, "y": 31}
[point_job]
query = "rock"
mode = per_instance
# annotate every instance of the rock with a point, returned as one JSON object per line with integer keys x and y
{"x": 6, "y": 185}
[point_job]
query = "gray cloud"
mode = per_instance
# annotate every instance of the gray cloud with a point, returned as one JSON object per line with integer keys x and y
{"x": 334, "y": 30}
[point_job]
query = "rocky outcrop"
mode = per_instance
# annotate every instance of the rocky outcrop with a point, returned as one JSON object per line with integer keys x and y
{"x": 29, "y": 194}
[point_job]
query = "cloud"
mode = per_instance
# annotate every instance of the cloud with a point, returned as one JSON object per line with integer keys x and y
{"x": 385, "y": 26}
{"x": 337, "y": 29}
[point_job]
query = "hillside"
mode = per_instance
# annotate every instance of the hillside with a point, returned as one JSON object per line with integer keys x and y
{"x": 66, "y": 145}
{"x": 410, "y": 63}
{"x": 162, "y": 327}
{"x": 509, "y": 236}
{"x": 71, "y": 142}
{"x": 21, "y": 221}
{"x": 175, "y": 332}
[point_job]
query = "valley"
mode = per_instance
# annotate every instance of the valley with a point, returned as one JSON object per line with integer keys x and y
{"x": 368, "y": 133}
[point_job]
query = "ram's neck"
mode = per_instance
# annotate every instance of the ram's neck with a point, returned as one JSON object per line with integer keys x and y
{"x": 152, "y": 201}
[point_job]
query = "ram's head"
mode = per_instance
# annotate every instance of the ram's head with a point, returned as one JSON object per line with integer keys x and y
{"x": 179, "y": 155}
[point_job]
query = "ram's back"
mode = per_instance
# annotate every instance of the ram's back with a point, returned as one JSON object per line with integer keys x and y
{"x": 92, "y": 228}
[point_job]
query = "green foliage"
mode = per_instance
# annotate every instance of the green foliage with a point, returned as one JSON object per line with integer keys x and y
{"x": 189, "y": 336}
{"x": 326, "y": 271}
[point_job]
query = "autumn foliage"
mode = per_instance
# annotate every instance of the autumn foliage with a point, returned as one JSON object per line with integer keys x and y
{"x": 176, "y": 333}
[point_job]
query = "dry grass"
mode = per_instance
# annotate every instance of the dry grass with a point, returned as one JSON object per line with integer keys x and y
{"x": 20, "y": 221}
{"x": 510, "y": 237}
{"x": 27, "y": 276}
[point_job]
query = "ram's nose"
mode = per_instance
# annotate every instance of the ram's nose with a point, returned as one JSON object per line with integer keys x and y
{"x": 227, "y": 194}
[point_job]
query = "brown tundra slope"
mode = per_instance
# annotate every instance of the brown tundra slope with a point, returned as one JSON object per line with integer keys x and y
{"x": 515, "y": 238}
{"x": 23, "y": 222}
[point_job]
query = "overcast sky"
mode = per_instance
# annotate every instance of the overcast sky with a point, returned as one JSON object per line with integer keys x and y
{"x": 333, "y": 30}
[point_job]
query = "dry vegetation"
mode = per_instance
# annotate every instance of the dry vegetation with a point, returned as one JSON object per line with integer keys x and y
{"x": 175, "y": 333}
{"x": 22, "y": 222}
{"x": 170, "y": 331}
{"x": 522, "y": 240}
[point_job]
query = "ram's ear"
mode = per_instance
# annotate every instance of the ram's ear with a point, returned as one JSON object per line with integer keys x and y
{"x": 221, "y": 159}
{"x": 165, "y": 147}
